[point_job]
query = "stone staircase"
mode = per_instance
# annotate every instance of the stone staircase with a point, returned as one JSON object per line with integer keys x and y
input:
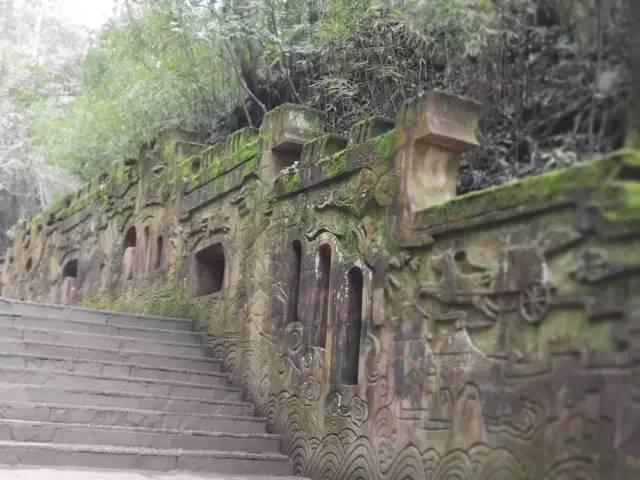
{"x": 82, "y": 388}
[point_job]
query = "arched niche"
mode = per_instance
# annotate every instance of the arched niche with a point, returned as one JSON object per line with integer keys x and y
{"x": 293, "y": 283}
{"x": 322, "y": 296}
{"x": 69, "y": 282}
{"x": 129, "y": 255}
{"x": 350, "y": 329}
{"x": 158, "y": 262}
{"x": 209, "y": 271}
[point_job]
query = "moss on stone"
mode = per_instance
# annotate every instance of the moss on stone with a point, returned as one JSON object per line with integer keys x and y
{"x": 631, "y": 157}
{"x": 626, "y": 206}
{"x": 527, "y": 194}
{"x": 336, "y": 165}
{"x": 103, "y": 301}
{"x": 292, "y": 182}
{"x": 217, "y": 163}
{"x": 384, "y": 145}
{"x": 169, "y": 151}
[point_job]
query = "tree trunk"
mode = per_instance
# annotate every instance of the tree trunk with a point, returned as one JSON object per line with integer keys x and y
{"x": 633, "y": 130}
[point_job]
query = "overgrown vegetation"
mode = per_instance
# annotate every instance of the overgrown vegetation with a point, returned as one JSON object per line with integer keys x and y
{"x": 552, "y": 75}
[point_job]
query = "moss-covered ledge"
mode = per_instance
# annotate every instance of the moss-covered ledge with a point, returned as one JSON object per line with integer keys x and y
{"x": 217, "y": 160}
{"x": 534, "y": 194}
{"x": 376, "y": 152}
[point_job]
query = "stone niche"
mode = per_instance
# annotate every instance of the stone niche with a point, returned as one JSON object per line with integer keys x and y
{"x": 129, "y": 256}
{"x": 209, "y": 271}
{"x": 69, "y": 283}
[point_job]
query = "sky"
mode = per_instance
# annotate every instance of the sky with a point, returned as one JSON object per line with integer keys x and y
{"x": 89, "y": 13}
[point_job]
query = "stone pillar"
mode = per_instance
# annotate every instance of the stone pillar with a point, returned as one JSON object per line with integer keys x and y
{"x": 284, "y": 131}
{"x": 434, "y": 131}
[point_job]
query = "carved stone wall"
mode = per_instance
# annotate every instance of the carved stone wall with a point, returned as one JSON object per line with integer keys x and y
{"x": 497, "y": 334}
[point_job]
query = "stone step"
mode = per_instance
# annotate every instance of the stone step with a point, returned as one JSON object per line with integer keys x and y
{"x": 80, "y": 326}
{"x": 87, "y": 397}
{"x": 99, "y": 456}
{"x": 52, "y": 378}
{"x": 127, "y": 417}
{"x": 73, "y": 433}
{"x": 109, "y": 355}
{"x": 99, "y": 316}
{"x": 90, "y": 367}
{"x": 102, "y": 341}
{"x": 79, "y": 473}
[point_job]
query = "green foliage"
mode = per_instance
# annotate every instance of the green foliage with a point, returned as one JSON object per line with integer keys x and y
{"x": 218, "y": 66}
{"x": 167, "y": 300}
{"x": 341, "y": 19}
{"x": 454, "y": 30}
{"x": 184, "y": 63}
{"x": 138, "y": 79}
{"x": 97, "y": 301}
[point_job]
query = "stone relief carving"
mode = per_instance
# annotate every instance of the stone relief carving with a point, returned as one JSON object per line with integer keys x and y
{"x": 357, "y": 410}
{"x": 504, "y": 347}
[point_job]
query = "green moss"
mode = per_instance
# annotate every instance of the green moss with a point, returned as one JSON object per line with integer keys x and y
{"x": 292, "y": 182}
{"x": 169, "y": 151}
{"x": 248, "y": 152}
{"x": 624, "y": 203}
{"x": 527, "y": 194}
{"x": 217, "y": 164}
{"x": 384, "y": 145}
{"x": 631, "y": 157}
{"x": 337, "y": 165}
{"x": 99, "y": 301}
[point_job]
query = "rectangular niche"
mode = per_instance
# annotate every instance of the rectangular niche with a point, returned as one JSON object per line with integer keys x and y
{"x": 209, "y": 271}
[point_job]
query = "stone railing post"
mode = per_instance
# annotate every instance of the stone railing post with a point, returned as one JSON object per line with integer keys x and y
{"x": 284, "y": 132}
{"x": 434, "y": 132}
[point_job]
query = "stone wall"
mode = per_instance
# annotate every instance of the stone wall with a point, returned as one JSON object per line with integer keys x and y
{"x": 387, "y": 327}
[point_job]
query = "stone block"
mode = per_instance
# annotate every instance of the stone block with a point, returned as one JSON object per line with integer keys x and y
{"x": 370, "y": 128}
{"x": 435, "y": 131}
{"x": 322, "y": 148}
{"x": 284, "y": 132}
{"x": 442, "y": 119}
{"x": 287, "y": 128}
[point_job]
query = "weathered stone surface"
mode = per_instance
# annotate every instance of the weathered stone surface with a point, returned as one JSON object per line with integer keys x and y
{"x": 8, "y": 473}
{"x": 386, "y": 327}
{"x": 74, "y": 409}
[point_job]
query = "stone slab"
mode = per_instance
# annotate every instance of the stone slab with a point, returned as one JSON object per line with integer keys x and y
{"x": 74, "y": 433}
{"x": 119, "y": 399}
{"x": 119, "y": 369}
{"x": 80, "y": 326}
{"x": 102, "y": 341}
{"x": 64, "y": 349}
{"x": 53, "y": 378}
{"x": 100, "y": 316}
{"x": 9, "y": 473}
{"x": 129, "y": 417}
